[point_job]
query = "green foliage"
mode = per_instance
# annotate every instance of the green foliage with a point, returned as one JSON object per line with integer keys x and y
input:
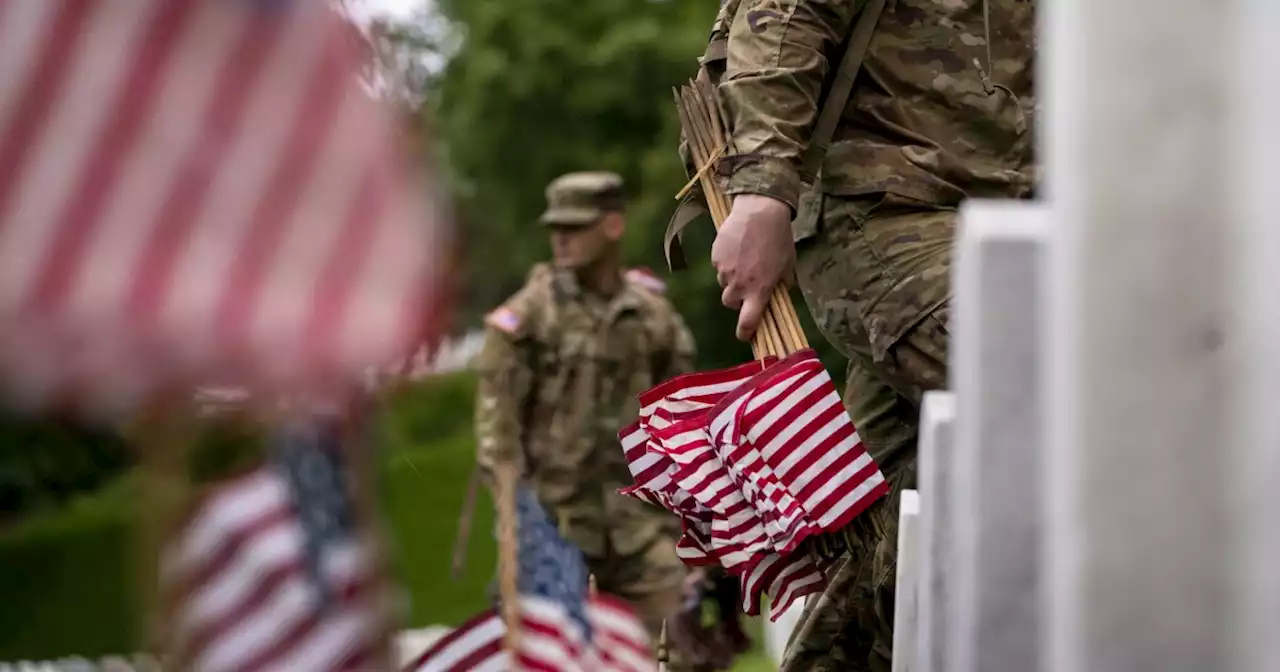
{"x": 46, "y": 461}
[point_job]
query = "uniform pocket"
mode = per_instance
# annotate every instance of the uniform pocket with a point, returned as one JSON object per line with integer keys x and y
{"x": 908, "y": 243}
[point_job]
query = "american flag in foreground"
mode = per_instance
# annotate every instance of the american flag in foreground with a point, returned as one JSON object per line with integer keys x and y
{"x": 755, "y": 459}
{"x": 270, "y": 572}
{"x": 562, "y": 628}
{"x": 201, "y": 187}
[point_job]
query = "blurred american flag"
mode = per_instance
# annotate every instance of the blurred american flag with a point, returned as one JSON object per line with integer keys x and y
{"x": 200, "y": 187}
{"x": 266, "y": 578}
{"x": 562, "y": 628}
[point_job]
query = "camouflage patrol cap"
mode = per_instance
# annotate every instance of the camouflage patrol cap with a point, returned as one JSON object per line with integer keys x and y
{"x": 579, "y": 199}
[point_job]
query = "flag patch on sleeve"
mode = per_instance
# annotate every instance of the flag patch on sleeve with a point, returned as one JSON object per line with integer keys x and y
{"x": 503, "y": 319}
{"x": 647, "y": 279}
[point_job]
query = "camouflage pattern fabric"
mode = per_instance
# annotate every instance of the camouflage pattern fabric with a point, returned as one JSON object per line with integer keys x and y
{"x": 559, "y": 374}
{"x": 582, "y": 198}
{"x": 942, "y": 109}
{"x": 877, "y": 279}
{"x": 893, "y": 329}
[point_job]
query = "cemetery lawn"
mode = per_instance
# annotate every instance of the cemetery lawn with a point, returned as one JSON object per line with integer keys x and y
{"x": 68, "y": 582}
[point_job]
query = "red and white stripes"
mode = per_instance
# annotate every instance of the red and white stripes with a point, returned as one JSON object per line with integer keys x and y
{"x": 196, "y": 186}
{"x": 754, "y": 459}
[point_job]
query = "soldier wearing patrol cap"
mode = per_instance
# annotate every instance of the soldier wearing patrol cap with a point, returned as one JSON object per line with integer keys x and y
{"x": 563, "y": 361}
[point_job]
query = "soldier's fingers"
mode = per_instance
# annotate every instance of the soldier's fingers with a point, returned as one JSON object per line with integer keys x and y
{"x": 723, "y": 278}
{"x": 749, "y": 317}
{"x": 731, "y": 297}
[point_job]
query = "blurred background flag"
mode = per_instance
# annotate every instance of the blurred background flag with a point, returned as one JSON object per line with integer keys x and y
{"x": 199, "y": 186}
{"x": 260, "y": 583}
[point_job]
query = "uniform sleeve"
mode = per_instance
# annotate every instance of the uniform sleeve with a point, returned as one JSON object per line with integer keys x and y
{"x": 505, "y": 385}
{"x": 779, "y": 53}
{"x": 683, "y": 350}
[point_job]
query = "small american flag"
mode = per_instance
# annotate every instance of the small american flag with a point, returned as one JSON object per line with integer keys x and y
{"x": 562, "y": 628}
{"x": 200, "y": 188}
{"x": 680, "y": 401}
{"x": 755, "y": 459}
{"x": 272, "y": 573}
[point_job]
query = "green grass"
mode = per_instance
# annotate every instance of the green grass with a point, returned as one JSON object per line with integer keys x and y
{"x": 425, "y": 491}
{"x": 756, "y": 661}
{"x": 67, "y": 580}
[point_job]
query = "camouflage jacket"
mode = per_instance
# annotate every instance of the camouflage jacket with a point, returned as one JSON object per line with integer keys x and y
{"x": 559, "y": 375}
{"x": 941, "y": 109}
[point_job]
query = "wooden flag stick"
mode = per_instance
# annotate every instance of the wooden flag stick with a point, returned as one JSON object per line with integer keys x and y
{"x": 684, "y": 191}
{"x": 508, "y": 559}
{"x": 663, "y": 654}
{"x": 780, "y": 332}
{"x": 464, "y": 525}
{"x": 162, "y": 434}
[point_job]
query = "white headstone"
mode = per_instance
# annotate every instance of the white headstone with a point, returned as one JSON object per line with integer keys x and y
{"x": 905, "y": 615}
{"x": 997, "y": 379}
{"x": 1253, "y": 344}
{"x": 935, "y": 478}
{"x": 778, "y": 633}
{"x": 1137, "y": 95}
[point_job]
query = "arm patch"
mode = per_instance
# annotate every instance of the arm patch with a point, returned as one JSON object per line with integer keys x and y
{"x": 647, "y": 279}
{"x": 505, "y": 320}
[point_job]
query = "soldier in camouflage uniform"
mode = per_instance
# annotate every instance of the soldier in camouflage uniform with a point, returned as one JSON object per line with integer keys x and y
{"x": 562, "y": 364}
{"x": 940, "y": 111}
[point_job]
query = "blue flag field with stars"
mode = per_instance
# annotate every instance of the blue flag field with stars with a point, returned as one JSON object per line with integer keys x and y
{"x": 551, "y": 568}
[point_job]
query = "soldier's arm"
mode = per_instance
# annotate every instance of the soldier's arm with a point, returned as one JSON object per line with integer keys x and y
{"x": 683, "y": 349}
{"x": 779, "y": 53}
{"x": 505, "y": 383}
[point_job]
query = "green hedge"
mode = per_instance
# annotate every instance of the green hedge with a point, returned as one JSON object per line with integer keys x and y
{"x": 67, "y": 581}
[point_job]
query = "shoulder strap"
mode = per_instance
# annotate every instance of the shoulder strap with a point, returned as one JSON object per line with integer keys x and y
{"x": 841, "y": 87}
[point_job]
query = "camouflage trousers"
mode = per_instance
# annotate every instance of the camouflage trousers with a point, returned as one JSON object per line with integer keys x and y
{"x": 876, "y": 275}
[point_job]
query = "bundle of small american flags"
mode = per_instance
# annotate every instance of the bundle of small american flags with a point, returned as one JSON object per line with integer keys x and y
{"x": 562, "y": 628}
{"x": 754, "y": 459}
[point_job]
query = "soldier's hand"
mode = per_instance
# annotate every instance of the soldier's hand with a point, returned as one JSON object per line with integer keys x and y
{"x": 751, "y": 254}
